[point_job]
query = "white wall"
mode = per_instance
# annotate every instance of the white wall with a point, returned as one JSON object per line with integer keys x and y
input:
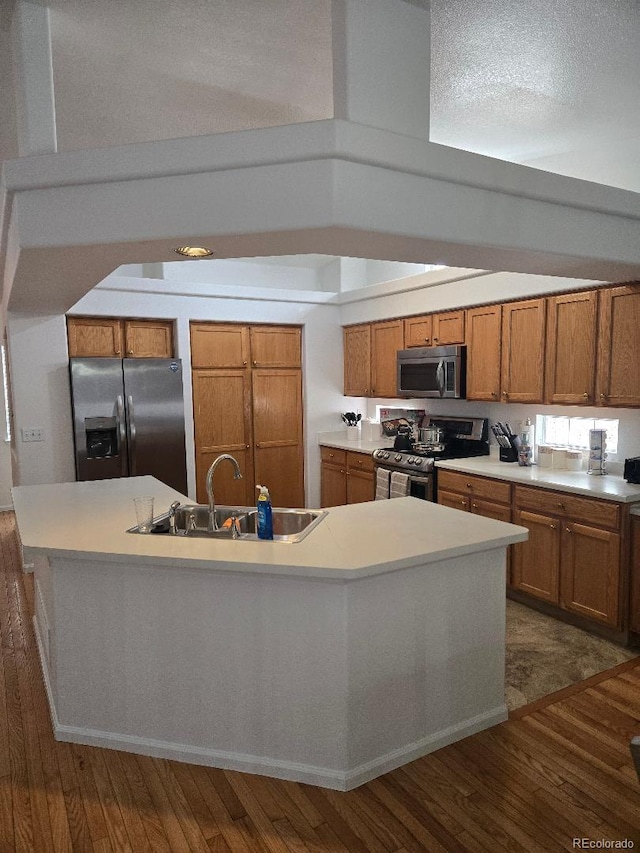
{"x": 40, "y": 373}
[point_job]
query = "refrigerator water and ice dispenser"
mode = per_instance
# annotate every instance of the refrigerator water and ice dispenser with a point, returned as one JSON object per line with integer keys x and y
{"x": 102, "y": 437}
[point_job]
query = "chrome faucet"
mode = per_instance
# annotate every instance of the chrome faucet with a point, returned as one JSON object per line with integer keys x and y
{"x": 237, "y": 475}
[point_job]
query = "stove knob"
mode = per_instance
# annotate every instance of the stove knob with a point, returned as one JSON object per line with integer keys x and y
{"x": 386, "y": 454}
{"x": 411, "y": 460}
{"x": 419, "y": 461}
{"x": 398, "y": 457}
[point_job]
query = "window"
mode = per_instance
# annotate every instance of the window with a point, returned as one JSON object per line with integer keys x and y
{"x": 561, "y": 431}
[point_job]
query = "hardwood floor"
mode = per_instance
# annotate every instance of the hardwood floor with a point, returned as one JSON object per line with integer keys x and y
{"x": 557, "y": 770}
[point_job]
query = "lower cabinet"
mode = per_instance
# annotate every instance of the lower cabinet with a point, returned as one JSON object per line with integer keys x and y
{"x": 479, "y": 495}
{"x": 347, "y": 477}
{"x": 573, "y": 555}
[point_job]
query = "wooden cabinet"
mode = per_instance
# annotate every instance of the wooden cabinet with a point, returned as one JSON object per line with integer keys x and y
{"x": 523, "y": 341}
{"x": 571, "y": 558}
{"x": 252, "y": 412}
{"x": 634, "y": 613}
{"x": 570, "y": 363}
{"x": 370, "y": 358}
{"x": 219, "y": 345}
{"x": 386, "y": 340}
{"x": 618, "y": 380}
{"x": 478, "y": 495}
{"x": 484, "y": 339}
{"x": 148, "y": 339}
{"x": 434, "y": 329}
{"x": 357, "y": 360}
{"x": 95, "y": 337}
{"x": 110, "y": 337}
{"x": 346, "y": 477}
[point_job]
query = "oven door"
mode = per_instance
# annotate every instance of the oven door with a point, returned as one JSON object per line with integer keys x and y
{"x": 421, "y": 486}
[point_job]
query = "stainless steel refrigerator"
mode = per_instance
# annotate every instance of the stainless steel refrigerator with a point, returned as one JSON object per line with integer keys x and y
{"x": 128, "y": 419}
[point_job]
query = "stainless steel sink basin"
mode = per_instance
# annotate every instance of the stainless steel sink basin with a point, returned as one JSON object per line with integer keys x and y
{"x": 289, "y": 525}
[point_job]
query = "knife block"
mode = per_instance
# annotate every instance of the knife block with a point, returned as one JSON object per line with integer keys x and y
{"x": 510, "y": 454}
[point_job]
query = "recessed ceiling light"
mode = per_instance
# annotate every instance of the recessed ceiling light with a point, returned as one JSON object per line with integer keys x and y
{"x": 194, "y": 251}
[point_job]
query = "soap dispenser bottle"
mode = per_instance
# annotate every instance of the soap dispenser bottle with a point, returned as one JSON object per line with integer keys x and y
{"x": 265, "y": 519}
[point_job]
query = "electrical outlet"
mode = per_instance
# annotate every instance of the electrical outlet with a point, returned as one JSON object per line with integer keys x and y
{"x": 33, "y": 435}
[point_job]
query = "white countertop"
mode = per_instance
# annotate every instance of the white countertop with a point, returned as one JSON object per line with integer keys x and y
{"x": 89, "y": 521}
{"x": 607, "y": 487}
{"x": 339, "y": 440}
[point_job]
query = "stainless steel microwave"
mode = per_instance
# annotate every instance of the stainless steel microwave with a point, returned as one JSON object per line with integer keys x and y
{"x": 432, "y": 372}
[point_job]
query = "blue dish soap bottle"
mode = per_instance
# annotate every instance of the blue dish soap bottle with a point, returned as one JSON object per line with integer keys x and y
{"x": 265, "y": 519}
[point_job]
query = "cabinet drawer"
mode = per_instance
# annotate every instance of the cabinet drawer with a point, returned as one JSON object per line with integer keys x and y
{"x": 481, "y": 487}
{"x": 333, "y": 454}
{"x": 360, "y": 461}
{"x": 591, "y": 510}
{"x": 453, "y": 499}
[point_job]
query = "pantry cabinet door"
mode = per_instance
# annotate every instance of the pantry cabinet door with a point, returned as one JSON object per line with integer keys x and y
{"x": 571, "y": 348}
{"x": 219, "y": 345}
{"x": 277, "y": 434}
{"x": 221, "y": 414}
{"x": 275, "y": 346}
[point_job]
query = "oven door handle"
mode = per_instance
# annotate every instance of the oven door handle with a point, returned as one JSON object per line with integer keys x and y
{"x": 422, "y": 480}
{"x": 440, "y": 377}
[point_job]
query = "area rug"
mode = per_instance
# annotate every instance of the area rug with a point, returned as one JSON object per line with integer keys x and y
{"x": 545, "y": 655}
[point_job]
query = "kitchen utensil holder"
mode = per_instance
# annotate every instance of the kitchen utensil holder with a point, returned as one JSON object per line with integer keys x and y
{"x": 510, "y": 454}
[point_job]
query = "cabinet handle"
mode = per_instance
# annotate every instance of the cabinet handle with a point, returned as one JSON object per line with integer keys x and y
{"x": 505, "y": 394}
{"x": 244, "y": 363}
{"x": 118, "y": 352}
{"x": 553, "y": 526}
{"x": 342, "y": 471}
{"x": 426, "y": 340}
{"x": 569, "y": 530}
{"x": 462, "y": 502}
{"x": 475, "y": 506}
{"x": 435, "y": 340}
{"x": 247, "y": 446}
{"x": 331, "y": 455}
{"x": 604, "y": 396}
{"x": 560, "y": 505}
{"x": 585, "y": 396}
{"x": 468, "y": 485}
{"x": 255, "y": 363}
{"x": 494, "y": 394}
{"x": 257, "y": 444}
{"x": 130, "y": 352}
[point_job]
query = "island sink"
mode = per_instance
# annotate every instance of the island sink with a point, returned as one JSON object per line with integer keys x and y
{"x": 289, "y": 525}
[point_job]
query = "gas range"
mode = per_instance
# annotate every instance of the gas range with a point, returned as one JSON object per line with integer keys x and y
{"x": 462, "y": 438}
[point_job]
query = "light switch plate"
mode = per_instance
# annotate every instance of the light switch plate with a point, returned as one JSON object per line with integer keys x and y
{"x": 33, "y": 434}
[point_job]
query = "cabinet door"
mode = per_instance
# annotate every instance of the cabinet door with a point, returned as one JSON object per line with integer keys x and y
{"x": 386, "y": 340}
{"x": 219, "y": 345}
{"x": 360, "y": 486}
{"x": 536, "y": 562}
{"x": 490, "y": 510}
{"x": 148, "y": 338}
{"x": 277, "y": 433}
{"x": 333, "y": 487}
{"x": 619, "y": 346}
{"x": 484, "y": 330}
{"x": 453, "y": 500}
{"x": 221, "y": 412}
{"x": 448, "y": 328}
{"x": 590, "y": 572}
{"x": 357, "y": 360}
{"x": 571, "y": 348}
{"x": 523, "y": 335}
{"x": 94, "y": 337}
{"x": 418, "y": 331}
{"x": 275, "y": 346}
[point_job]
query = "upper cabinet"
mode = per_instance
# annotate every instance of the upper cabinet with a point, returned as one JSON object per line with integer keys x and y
{"x": 219, "y": 345}
{"x": 275, "y": 346}
{"x": 618, "y": 380}
{"x": 570, "y": 363}
{"x": 110, "y": 337}
{"x": 434, "y": 329}
{"x": 484, "y": 327}
{"x": 386, "y": 340}
{"x": 148, "y": 339}
{"x": 357, "y": 360}
{"x": 523, "y": 339}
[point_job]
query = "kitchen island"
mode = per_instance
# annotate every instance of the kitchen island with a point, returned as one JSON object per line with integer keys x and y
{"x": 376, "y": 639}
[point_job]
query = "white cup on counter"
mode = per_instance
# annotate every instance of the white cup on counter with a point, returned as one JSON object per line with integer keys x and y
{"x": 545, "y": 456}
{"x": 574, "y": 460}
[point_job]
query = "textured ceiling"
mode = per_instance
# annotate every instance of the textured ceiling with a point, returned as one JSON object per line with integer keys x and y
{"x": 513, "y": 79}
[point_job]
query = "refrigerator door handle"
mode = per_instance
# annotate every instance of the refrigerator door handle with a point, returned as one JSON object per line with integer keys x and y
{"x": 132, "y": 437}
{"x": 122, "y": 435}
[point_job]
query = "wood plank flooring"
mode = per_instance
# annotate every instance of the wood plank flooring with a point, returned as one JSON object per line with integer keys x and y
{"x": 557, "y": 770}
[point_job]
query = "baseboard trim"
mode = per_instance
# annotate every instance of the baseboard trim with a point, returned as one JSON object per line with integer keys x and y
{"x": 45, "y": 675}
{"x": 309, "y": 774}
